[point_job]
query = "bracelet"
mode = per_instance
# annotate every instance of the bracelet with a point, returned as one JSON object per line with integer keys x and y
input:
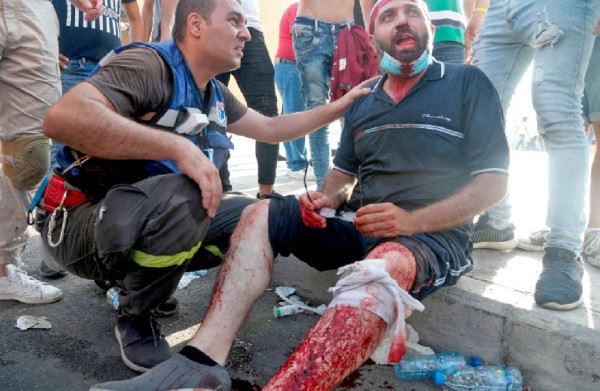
{"x": 480, "y": 9}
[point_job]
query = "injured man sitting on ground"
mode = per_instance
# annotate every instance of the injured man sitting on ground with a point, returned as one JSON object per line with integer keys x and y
{"x": 420, "y": 156}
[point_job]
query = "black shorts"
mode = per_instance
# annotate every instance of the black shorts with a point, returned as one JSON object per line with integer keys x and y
{"x": 442, "y": 257}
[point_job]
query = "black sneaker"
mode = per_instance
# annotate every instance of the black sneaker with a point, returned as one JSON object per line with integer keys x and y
{"x": 486, "y": 236}
{"x": 47, "y": 272}
{"x": 141, "y": 342}
{"x": 168, "y": 308}
{"x": 559, "y": 286}
{"x": 177, "y": 373}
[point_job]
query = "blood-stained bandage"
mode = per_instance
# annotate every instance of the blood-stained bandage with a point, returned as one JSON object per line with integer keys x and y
{"x": 367, "y": 285}
{"x": 380, "y": 3}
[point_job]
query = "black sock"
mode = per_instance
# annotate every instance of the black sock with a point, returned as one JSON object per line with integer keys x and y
{"x": 197, "y": 355}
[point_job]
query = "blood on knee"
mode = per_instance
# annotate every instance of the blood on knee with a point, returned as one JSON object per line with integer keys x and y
{"x": 389, "y": 248}
{"x": 252, "y": 221}
{"x": 254, "y": 211}
{"x": 400, "y": 262}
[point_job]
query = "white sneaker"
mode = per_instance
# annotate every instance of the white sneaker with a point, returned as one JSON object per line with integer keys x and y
{"x": 310, "y": 176}
{"x": 26, "y": 289}
{"x": 591, "y": 246}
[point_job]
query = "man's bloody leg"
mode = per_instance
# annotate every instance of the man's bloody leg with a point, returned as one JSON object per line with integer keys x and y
{"x": 344, "y": 337}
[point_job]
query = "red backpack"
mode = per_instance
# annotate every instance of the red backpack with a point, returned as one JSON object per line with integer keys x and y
{"x": 354, "y": 61}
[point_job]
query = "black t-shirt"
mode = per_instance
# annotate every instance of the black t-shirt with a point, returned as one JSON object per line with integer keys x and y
{"x": 92, "y": 40}
{"x": 137, "y": 81}
{"x": 447, "y": 129}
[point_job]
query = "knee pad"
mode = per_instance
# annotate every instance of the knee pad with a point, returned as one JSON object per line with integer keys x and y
{"x": 25, "y": 160}
{"x": 367, "y": 285}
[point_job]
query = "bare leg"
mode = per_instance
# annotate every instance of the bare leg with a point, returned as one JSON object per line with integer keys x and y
{"x": 595, "y": 183}
{"x": 344, "y": 337}
{"x": 243, "y": 278}
{"x": 3, "y": 272}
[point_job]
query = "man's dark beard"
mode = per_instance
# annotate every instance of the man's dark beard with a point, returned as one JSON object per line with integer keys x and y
{"x": 406, "y": 55}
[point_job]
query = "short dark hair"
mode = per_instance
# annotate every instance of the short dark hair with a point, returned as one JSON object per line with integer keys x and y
{"x": 204, "y": 8}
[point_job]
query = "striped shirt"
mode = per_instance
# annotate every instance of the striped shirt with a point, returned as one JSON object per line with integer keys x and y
{"x": 91, "y": 40}
{"x": 448, "y": 19}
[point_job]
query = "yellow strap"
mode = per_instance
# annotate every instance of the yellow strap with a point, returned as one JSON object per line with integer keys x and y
{"x": 480, "y": 9}
{"x": 159, "y": 261}
{"x": 214, "y": 250}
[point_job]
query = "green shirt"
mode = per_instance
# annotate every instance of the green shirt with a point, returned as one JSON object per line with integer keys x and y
{"x": 448, "y": 19}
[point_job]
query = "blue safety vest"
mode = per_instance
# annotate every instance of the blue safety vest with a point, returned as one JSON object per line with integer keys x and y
{"x": 182, "y": 115}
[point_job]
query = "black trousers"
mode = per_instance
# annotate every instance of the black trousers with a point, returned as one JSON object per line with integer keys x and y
{"x": 256, "y": 79}
{"x": 145, "y": 235}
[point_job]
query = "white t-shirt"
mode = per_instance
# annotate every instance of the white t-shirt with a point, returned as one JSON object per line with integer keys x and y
{"x": 251, "y": 10}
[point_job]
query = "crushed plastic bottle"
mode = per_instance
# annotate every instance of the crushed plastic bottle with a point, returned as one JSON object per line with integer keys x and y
{"x": 112, "y": 297}
{"x": 189, "y": 277}
{"x": 487, "y": 378}
{"x": 423, "y": 366}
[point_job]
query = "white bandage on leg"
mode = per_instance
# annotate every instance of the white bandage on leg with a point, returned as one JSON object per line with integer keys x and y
{"x": 367, "y": 285}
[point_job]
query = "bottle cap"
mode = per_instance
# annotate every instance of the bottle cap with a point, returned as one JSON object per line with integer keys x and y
{"x": 439, "y": 378}
{"x": 476, "y": 361}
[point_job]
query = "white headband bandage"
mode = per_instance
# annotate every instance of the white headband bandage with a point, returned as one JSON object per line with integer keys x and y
{"x": 380, "y": 3}
{"x": 367, "y": 281}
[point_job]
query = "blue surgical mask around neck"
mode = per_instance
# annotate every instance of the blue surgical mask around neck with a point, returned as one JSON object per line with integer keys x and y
{"x": 405, "y": 69}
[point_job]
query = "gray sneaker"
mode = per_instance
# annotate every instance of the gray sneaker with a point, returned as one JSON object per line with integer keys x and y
{"x": 486, "y": 236}
{"x": 591, "y": 246}
{"x": 177, "y": 373}
{"x": 535, "y": 241}
{"x": 559, "y": 286}
{"x": 47, "y": 272}
{"x": 141, "y": 342}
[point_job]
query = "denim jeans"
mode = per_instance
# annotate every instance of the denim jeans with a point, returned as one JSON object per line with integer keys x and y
{"x": 287, "y": 81}
{"x": 255, "y": 79}
{"x": 591, "y": 93}
{"x": 557, "y": 38}
{"x": 314, "y": 44}
{"x": 450, "y": 52}
{"x": 75, "y": 73}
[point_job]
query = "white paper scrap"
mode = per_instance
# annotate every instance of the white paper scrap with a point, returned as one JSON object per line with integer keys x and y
{"x": 25, "y": 322}
{"x": 286, "y": 292}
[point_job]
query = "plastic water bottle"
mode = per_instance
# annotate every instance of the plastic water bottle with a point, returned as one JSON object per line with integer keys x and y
{"x": 279, "y": 312}
{"x": 423, "y": 366}
{"x": 112, "y": 297}
{"x": 488, "y": 378}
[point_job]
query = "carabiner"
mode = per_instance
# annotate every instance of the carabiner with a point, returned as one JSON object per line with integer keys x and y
{"x": 52, "y": 225}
